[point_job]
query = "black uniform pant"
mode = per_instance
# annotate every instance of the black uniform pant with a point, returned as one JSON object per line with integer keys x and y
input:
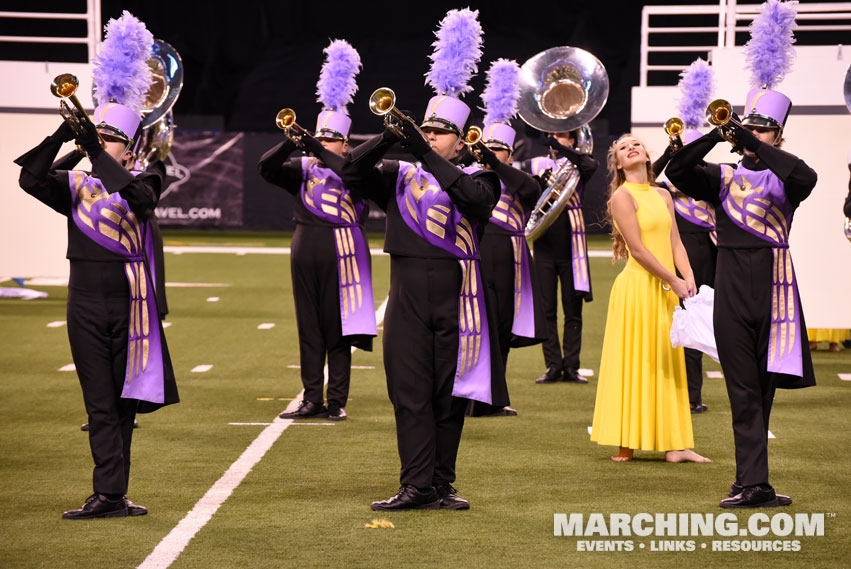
{"x": 317, "y": 306}
{"x": 742, "y": 319}
{"x": 98, "y": 318}
{"x": 550, "y": 270}
{"x": 702, "y": 255}
{"x": 420, "y": 359}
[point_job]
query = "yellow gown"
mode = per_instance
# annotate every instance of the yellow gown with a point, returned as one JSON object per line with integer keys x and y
{"x": 642, "y": 393}
{"x": 830, "y": 335}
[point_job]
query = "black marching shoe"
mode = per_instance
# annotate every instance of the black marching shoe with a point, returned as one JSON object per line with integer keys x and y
{"x": 782, "y": 499}
{"x": 449, "y": 498}
{"x": 98, "y": 506}
{"x": 306, "y": 410}
{"x": 135, "y": 509}
{"x": 409, "y": 498}
{"x": 760, "y": 496}
{"x": 552, "y": 375}
{"x": 337, "y": 413}
{"x": 572, "y": 376}
{"x": 698, "y": 408}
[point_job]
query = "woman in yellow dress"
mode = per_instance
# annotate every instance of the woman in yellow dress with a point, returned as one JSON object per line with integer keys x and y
{"x": 642, "y": 393}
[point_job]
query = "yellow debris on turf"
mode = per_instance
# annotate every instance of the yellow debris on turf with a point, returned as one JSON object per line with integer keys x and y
{"x": 379, "y": 524}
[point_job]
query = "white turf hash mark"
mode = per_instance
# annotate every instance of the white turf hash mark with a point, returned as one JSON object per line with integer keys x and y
{"x": 69, "y": 367}
{"x": 586, "y": 372}
{"x": 173, "y": 544}
{"x": 56, "y": 324}
{"x": 844, "y": 376}
{"x": 714, "y": 374}
{"x": 213, "y": 299}
{"x": 202, "y": 368}
{"x": 266, "y": 326}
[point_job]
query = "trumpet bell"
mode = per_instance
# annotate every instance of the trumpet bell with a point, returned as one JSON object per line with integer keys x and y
{"x": 473, "y": 136}
{"x": 719, "y": 112}
{"x": 562, "y": 89}
{"x": 285, "y": 119}
{"x": 382, "y": 101}
{"x": 674, "y": 126}
{"x": 64, "y": 85}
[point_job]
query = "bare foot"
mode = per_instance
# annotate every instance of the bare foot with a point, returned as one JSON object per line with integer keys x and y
{"x": 834, "y": 347}
{"x": 624, "y": 455}
{"x": 685, "y": 455}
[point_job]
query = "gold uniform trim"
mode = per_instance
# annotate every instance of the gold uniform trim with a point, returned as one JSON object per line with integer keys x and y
{"x": 110, "y": 232}
{"x": 435, "y": 228}
{"x": 437, "y": 216}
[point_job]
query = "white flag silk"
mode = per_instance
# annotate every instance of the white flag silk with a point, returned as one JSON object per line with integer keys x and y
{"x": 692, "y": 325}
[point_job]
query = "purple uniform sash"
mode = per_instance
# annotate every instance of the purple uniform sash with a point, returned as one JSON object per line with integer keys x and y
{"x": 511, "y": 215}
{"x": 756, "y": 202}
{"x": 324, "y": 196}
{"x": 430, "y": 213}
{"x": 694, "y": 211}
{"x": 578, "y": 247}
{"x": 108, "y": 221}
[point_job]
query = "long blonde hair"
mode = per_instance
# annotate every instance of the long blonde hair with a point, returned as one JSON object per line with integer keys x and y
{"x": 616, "y": 180}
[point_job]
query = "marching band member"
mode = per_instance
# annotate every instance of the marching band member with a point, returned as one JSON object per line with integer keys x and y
{"x": 759, "y": 326}
{"x": 506, "y": 260}
{"x": 438, "y": 350}
{"x": 330, "y": 262}
{"x": 556, "y": 252}
{"x": 695, "y": 218}
{"x": 116, "y": 336}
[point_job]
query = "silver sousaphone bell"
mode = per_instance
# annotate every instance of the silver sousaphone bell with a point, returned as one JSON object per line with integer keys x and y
{"x": 561, "y": 89}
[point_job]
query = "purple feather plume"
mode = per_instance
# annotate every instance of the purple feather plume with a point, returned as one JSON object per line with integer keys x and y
{"x": 337, "y": 86}
{"x": 121, "y": 71}
{"x": 502, "y": 91}
{"x": 769, "y": 52}
{"x": 457, "y": 51}
{"x": 697, "y": 82}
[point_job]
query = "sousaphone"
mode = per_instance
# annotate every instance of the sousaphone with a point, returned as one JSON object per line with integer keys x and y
{"x": 561, "y": 89}
{"x": 847, "y": 89}
{"x": 158, "y": 125}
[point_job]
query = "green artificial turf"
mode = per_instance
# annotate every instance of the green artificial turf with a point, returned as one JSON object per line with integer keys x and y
{"x": 306, "y": 503}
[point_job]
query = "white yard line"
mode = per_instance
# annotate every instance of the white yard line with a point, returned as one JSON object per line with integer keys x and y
{"x": 173, "y": 544}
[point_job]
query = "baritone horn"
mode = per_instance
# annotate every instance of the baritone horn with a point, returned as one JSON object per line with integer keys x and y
{"x": 65, "y": 87}
{"x": 382, "y": 102}
{"x": 285, "y": 120}
{"x": 562, "y": 89}
{"x": 673, "y": 128}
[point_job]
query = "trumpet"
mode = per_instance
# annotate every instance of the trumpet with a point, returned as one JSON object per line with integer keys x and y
{"x": 673, "y": 127}
{"x": 473, "y": 140}
{"x": 720, "y": 113}
{"x": 65, "y": 87}
{"x": 382, "y": 102}
{"x": 285, "y": 120}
